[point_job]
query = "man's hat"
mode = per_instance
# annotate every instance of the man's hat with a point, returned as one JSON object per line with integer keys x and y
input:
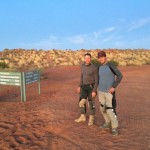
{"x": 101, "y": 54}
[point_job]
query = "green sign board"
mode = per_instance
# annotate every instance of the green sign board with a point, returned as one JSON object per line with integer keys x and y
{"x": 20, "y": 79}
{"x": 31, "y": 77}
{"x": 10, "y": 78}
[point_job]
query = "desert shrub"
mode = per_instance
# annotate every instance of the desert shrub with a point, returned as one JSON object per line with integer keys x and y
{"x": 148, "y": 62}
{"x": 3, "y": 65}
{"x": 98, "y": 64}
{"x": 114, "y": 62}
{"x": 43, "y": 74}
{"x": 6, "y": 50}
{"x": 8, "y": 70}
{"x": 2, "y": 58}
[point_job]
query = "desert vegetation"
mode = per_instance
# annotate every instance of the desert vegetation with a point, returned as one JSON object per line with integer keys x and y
{"x": 18, "y": 59}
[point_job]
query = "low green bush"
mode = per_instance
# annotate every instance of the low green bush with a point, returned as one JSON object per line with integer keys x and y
{"x": 114, "y": 62}
{"x": 98, "y": 64}
{"x": 3, "y": 65}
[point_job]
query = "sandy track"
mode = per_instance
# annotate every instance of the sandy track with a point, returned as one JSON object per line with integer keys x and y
{"x": 46, "y": 122}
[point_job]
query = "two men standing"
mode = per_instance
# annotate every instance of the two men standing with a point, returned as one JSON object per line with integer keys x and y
{"x": 106, "y": 79}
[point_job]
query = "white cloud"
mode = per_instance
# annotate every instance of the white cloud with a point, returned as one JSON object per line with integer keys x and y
{"x": 101, "y": 38}
{"x": 101, "y": 32}
{"x": 120, "y": 44}
{"x": 110, "y": 29}
{"x": 132, "y": 44}
{"x": 122, "y": 20}
{"x": 50, "y": 42}
{"x": 107, "y": 37}
{"x": 140, "y": 23}
{"x": 141, "y": 43}
{"x": 78, "y": 39}
{"x": 97, "y": 34}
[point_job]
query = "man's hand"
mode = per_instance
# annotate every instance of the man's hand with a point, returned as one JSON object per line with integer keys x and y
{"x": 78, "y": 90}
{"x": 93, "y": 94}
{"x": 111, "y": 90}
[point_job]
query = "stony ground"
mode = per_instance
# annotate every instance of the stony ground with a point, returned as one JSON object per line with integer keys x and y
{"x": 46, "y": 122}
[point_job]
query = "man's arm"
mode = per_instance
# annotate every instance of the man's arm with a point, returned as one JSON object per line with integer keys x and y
{"x": 81, "y": 77}
{"x": 118, "y": 74}
{"x": 96, "y": 79}
{"x": 81, "y": 82}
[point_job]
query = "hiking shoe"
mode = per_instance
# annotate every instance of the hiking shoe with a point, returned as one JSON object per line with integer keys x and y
{"x": 82, "y": 118}
{"x": 115, "y": 132}
{"x": 91, "y": 121}
{"x": 106, "y": 126}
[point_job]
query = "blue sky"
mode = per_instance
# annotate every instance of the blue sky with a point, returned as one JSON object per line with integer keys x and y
{"x": 74, "y": 24}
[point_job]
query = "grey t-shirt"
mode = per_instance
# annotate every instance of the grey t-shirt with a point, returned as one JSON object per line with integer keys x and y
{"x": 106, "y": 78}
{"x": 109, "y": 76}
{"x": 89, "y": 75}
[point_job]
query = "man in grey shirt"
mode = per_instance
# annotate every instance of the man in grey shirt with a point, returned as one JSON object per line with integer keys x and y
{"x": 109, "y": 78}
{"x": 87, "y": 89}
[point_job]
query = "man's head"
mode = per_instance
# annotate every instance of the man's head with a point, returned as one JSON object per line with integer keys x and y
{"x": 87, "y": 58}
{"x": 102, "y": 57}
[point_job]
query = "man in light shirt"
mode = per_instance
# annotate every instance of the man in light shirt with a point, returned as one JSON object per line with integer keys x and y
{"x": 109, "y": 78}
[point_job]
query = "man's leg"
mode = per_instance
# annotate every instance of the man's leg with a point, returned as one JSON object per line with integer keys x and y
{"x": 92, "y": 112}
{"x": 102, "y": 101}
{"x": 82, "y": 106}
{"x": 91, "y": 106}
{"x": 111, "y": 114}
{"x": 114, "y": 102}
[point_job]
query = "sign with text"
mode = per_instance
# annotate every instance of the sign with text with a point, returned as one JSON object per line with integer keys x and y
{"x": 10, "y": 78}
{"x": 20, "y": 79}
{"x": 31, "y": 77}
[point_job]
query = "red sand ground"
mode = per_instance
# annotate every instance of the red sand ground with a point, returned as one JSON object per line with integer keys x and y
{"x": 46, "y": 122}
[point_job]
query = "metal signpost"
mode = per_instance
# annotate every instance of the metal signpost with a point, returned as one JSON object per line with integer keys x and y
{"x": 20, "y": 79}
